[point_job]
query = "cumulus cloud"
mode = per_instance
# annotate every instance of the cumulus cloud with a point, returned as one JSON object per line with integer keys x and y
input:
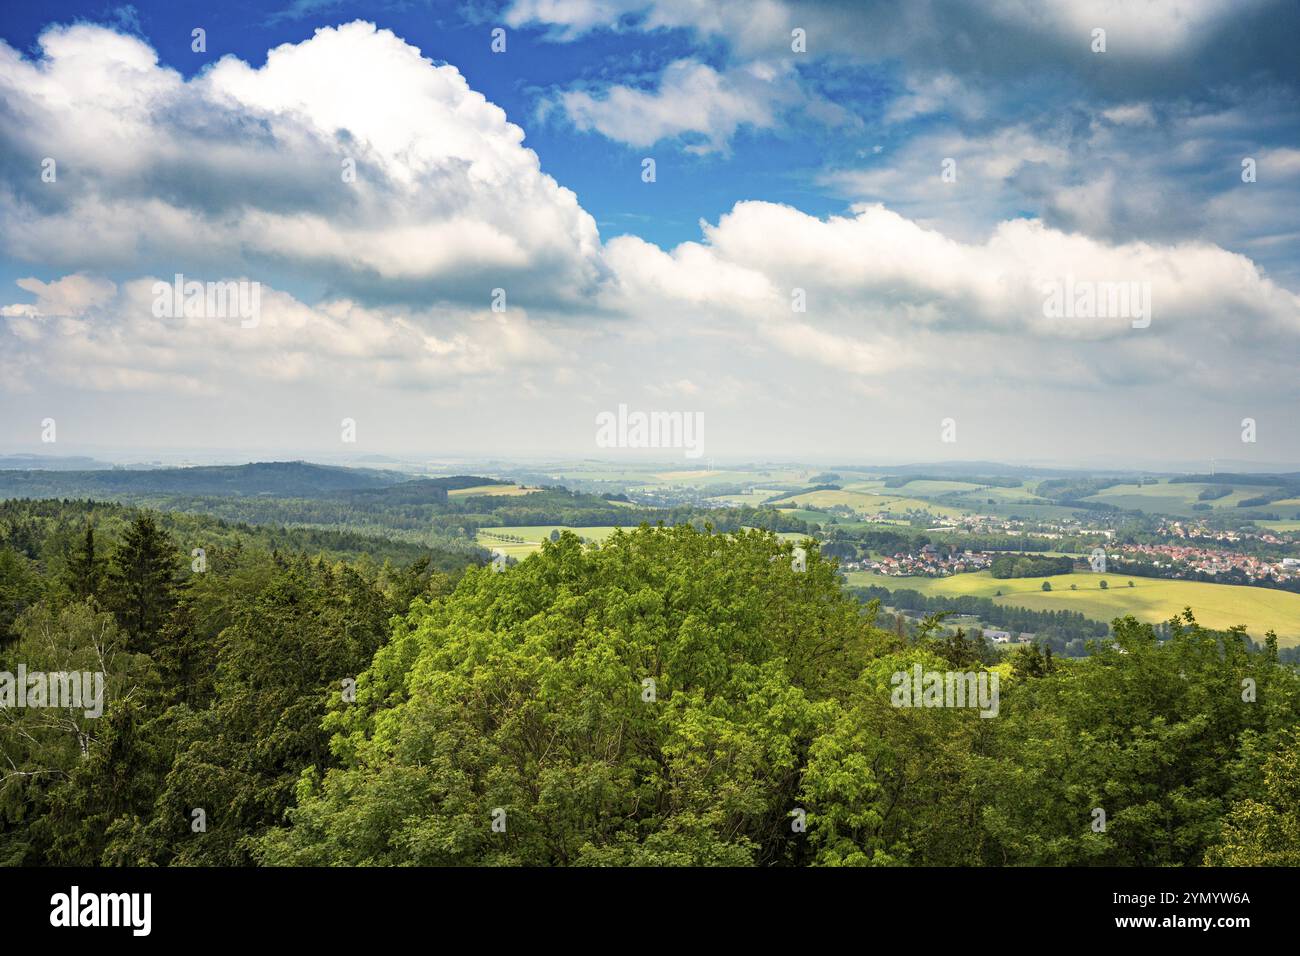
{"x": 692, "y": 97}
{"x": 247, "y": 165}
{"x": 96, "y": 334}
{"x": 702, "y": 106}
{"x": 1138, "y": 171}
{"x": 924, "y": 295}
{"x": 884, "y": 293}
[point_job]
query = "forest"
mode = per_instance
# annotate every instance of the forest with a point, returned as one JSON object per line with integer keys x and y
{"x": 1029, "y": 566}
{"x": 673, "y": 696}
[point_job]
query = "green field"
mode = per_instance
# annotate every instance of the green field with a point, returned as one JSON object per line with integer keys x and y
{"x": 794, "y": 536}
{"x": 1178, "y": 497}
{"x": 753, "y": 498}
{"x": 492, "y": 490}
{"x": 866, "y": 502}
{"x": 534, "y": 535}
{"x": 1280, "y": 525}
{"x": 926, "y": 488}
{"x": 1002, "y": 496}
{"x": 1150, "y": 599}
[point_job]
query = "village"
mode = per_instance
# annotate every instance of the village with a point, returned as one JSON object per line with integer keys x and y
{"x": 1212, "y": 561}
{"x": 929, "y": 561}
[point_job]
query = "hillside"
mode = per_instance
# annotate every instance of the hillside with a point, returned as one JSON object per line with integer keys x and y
{"x": 287, "y": 479}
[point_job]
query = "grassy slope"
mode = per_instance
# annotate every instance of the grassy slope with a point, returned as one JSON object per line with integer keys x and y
{"x": 1177, "y": 498}
{"x": 491, "y": 490}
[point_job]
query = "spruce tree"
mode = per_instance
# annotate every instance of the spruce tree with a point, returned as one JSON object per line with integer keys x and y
{"x": 85, "y": 571}
{"x": 143, "y": 582}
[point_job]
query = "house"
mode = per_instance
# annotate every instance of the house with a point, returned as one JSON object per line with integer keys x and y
{"x": 998, "y": 637}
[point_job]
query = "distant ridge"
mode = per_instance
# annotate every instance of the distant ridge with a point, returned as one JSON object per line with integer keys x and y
{"x": 286, "y": 479}
{"x": 53, "y": 463}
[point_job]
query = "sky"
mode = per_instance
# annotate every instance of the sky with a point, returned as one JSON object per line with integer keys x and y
{"x": 833, "y": 231}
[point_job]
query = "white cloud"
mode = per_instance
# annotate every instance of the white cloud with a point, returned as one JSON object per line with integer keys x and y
{"x": 941, "y": 92}
{"x": 244, "y": 166}
{"x": 236, "y": 172}
{"x": 692, "y": 99}
{"x": 1161, "y": 29}
{"x": 740, "y": 20}
{"x": 95, "y": 334}
{"x": 895, "y": 27}
{"x": 986, "y": 167}
{"x": 884, "y": 293}
{"x": 1131, "y": 114}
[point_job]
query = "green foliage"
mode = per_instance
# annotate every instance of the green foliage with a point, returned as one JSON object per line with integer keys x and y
{"x": 891, "y": 786}
{"x": 20, "y": 588}
{"x": 216, "y": 702}
{"x": 85, "y": 570}
{"x": 527, "y": 691}
{"x": 1263, "y": 827}
{"x": 673, "y": 696}
{"x": 1150, "y": 732}
{"x": 43, "y": 750}
{"x": 143, "y": 581}
{"x": 1029, "y": 566}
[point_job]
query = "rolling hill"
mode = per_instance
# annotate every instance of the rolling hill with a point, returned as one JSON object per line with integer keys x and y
{"x": 287, "y": 479}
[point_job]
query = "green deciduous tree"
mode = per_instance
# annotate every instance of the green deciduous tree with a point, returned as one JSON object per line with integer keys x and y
{"x": 648, "y": 701}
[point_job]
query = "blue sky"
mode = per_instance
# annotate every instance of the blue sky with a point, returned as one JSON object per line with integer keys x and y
{"x": 818, "y": 169}
{"x": 780, "y": 164}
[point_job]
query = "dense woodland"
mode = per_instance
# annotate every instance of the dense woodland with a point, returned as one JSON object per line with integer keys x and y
{"x": 674, "y": 696}
{"x": 372, "y": 503}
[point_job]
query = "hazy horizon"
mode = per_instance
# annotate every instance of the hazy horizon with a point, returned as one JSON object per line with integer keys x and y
{"x": 215, "y": 457}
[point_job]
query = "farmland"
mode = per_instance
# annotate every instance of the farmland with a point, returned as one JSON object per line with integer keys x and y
{"x": 1180, "y": 498}
{"x": 492, "y": 490}
{"x": 533, "y": 535}
{"x": 1151, "y": 600}
{"x": 870, "y": 502}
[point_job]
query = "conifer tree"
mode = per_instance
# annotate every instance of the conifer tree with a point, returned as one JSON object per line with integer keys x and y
{"x": 143, "y": 582}
{"x": 85, "y": 571}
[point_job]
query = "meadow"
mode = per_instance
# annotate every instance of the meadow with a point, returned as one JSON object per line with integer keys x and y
{"x": 1179, "y": 497}
{"x": 533, "y": 536}
{"x": 1150, "y": 599}
{"x": 492, "y": 490}
{"x": 870, "y": 502}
